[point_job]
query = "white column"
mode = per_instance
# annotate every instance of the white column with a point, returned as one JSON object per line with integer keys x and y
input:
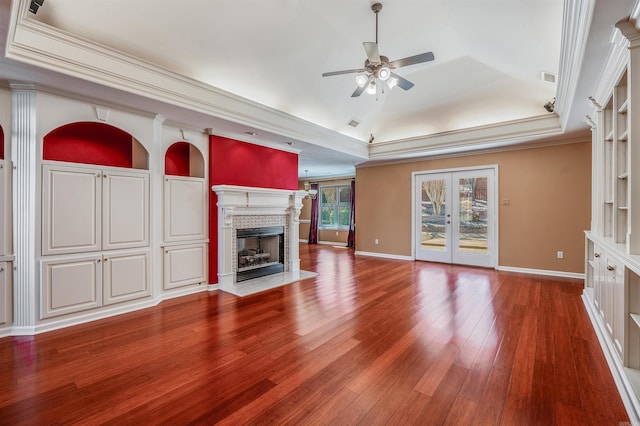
{"x": 156, "y": 216}
{"x": 294, "y": 231}
{"x": 23, "y": 155}
{"x": 226, "y": 277}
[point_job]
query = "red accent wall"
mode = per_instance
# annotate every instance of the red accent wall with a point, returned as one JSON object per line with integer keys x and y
{"x": 176, "y": 161}
{"x": 89, "y": 143}
{"x": 232, "y": 162}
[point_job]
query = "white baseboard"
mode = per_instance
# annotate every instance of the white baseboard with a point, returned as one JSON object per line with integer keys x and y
{"x": 179, "y": 292}
{"x": 78, "y": 319}
{"x": 383, "y": 255}
{"x": 560, "y": 274}
{"x": 326, "y": 243}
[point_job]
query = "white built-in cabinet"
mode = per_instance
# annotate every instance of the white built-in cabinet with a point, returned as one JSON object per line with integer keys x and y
{"x": 612, "y": 267}
{"x": 185, "y": 265}
{"x": 185, "y": 225}
{"x": 95, "y": 237}
{"x": 91, "y": 208}
{"x": 185, "y": 206}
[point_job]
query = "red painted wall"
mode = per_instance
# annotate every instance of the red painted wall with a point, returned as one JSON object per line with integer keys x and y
{"x": 89, "y": 143}
{"x": 176, "y": 161}
{"x": 232, "y": 162}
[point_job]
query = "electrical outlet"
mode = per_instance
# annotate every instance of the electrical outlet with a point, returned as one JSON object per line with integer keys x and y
{"x": 336, "y": 233}
{"x": 560, "y": 254}
{"x": 376, "y": 241}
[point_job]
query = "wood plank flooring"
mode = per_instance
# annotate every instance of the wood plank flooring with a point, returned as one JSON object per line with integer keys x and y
{"x": 368, "y": 341}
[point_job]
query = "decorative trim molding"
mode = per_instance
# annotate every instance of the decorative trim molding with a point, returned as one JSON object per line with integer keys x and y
{"x": 23, "y": 156}
{"x": 505, "y": 148}
{"x": 560, "y": 274}
{"x": 481, "y": 137}
{"x": 578, "y": 15}
{"x": 51, "y": 325}
{"x": 38, "y": 44}
{"x": 615, "y": 64}
{"x": 383, "y": 255}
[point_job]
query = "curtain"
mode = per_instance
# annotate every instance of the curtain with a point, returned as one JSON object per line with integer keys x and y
{"x": 351, "y": 238}
{"x": 313, "y": 227}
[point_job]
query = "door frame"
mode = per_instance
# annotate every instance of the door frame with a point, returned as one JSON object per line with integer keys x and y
{"x": 494, "y": 204}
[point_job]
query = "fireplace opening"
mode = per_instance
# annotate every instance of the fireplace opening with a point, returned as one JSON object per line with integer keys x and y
{"x": 260, "y": 252}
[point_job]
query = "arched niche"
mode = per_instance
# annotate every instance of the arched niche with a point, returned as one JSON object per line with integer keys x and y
{"x": 184, "y": 159}
{"x": 94, "y": 143}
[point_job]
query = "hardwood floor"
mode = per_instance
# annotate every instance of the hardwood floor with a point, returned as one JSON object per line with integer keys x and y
{"x": 367, "y": 341}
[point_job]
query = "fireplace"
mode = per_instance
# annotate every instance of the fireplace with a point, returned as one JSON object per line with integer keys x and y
{"x": 260, "y": 252}
{"x": 241, "y": 208}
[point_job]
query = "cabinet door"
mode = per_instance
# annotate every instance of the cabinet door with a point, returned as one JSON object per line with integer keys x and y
{"x": 619, "y": 307}
{"x": 125, "y": 210}
{"x": 185, "y": 206}
{"x": 71, "y": 210}
{"x": 598, "y": 279}
{"x": 6, "y": 296}
{"x": 126, "y": 277}
{"x": 70, "y": 285}
{"x": 184, "y": 265}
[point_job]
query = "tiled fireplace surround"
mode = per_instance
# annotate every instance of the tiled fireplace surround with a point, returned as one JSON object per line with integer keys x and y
{"x": 241, "y": 207}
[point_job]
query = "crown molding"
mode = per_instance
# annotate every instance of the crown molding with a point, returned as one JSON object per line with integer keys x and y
{"x": 41, "y": 45}
{"x": 580, "y": 137}
{"x": 623, "y": 36}
{"x": 575, "y": 33}
{"x": 509, "y": 132}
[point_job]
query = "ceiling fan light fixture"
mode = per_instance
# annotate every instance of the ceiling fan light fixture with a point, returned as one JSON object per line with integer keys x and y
{"x": 384, "y": 72}
{"x": 392, "y": 82}
{"x": 361, "y": 80}
{"x": 371, "y": 88}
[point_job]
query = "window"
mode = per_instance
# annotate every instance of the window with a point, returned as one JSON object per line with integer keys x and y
{"x": 335, "y": 206}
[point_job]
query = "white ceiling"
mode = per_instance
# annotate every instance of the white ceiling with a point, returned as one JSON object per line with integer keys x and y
{"x": 489, "y": 56}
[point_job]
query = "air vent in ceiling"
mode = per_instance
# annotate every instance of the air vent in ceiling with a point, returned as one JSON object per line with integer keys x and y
{"x": 548, "y": 77}
{"x": 353, "y": 123}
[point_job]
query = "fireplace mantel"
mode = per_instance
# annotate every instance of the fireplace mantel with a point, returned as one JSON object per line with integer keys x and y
{"x": 249, "y": 201}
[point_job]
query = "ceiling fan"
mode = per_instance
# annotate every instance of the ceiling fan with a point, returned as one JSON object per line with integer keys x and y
{"x": 378, "y": 67}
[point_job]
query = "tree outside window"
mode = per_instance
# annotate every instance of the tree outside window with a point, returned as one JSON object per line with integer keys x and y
{"x": 335, "y": 206}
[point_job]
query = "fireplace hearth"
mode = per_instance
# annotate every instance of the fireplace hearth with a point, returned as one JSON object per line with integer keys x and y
{"x": 260, "y": 252}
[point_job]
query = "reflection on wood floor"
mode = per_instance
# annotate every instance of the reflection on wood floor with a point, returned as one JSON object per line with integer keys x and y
{"x": 368, "y": 341}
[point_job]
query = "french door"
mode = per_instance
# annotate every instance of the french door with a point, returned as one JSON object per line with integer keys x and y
{"x": 455, "y": 217}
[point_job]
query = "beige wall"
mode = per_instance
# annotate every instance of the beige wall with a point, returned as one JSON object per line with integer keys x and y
{"x": 549, "y": 190}
{"x": 324, "y": 235}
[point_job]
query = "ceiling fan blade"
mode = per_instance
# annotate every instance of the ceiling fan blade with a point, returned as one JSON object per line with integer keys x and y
{"x": 372, "y": 51}
{"x": 328, "y": 74}
{"x": 359, "y": 89}
{"x": 412, "y": 60}
{"x": 403, "y": 83}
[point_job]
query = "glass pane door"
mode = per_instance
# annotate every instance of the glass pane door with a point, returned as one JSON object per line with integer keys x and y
{"x": 473, "y": 236}
{"x": 434, "y": 217}
{"x": 455, "y": 217}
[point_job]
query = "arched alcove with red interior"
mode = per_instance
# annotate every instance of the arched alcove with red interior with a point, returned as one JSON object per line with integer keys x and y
{"x": 184, "y": 159}
{"x": 94, "y": 143}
